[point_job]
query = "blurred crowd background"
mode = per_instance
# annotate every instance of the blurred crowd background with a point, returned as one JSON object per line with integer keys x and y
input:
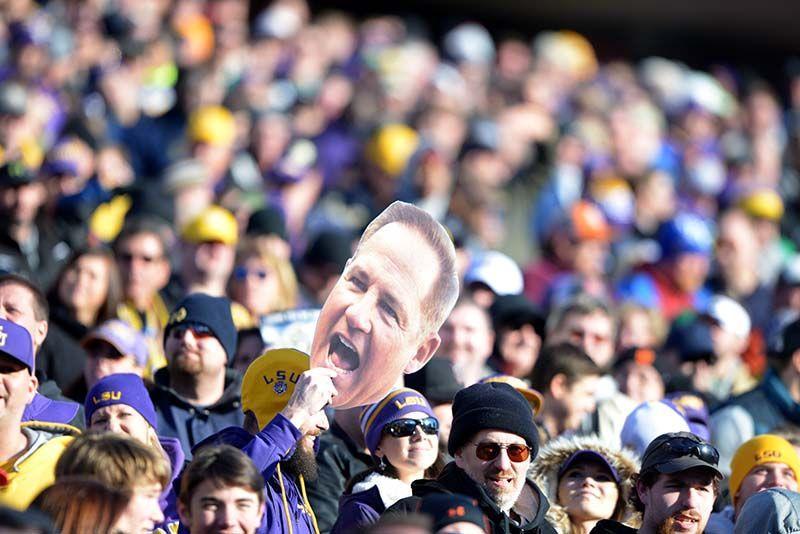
{"x": 253, "y": 144}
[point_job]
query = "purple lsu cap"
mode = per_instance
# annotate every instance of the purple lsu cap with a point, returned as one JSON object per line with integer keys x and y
{"x": 585, "y": 456}
{"x": 123, "y": 337}
{"x": 120, "y": 388}
{"x": 16, "y": 343}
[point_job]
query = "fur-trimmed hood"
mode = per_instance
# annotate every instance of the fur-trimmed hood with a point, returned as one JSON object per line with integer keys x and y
{"x": 545, "y": 467}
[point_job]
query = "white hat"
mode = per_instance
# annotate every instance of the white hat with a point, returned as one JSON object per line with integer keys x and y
{"x": 731, "y": 316}
{"x": 496, "y": 270}
{"x": 648, "y": 421}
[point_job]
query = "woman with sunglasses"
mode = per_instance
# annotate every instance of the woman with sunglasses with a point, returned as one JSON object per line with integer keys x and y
{"x": 261, "y": 281}
{"x": 586, "y": 480}
{"x": 401, "y": 433}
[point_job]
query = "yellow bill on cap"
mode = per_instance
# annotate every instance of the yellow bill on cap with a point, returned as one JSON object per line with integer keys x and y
{"x": 270, "y": 380}
{"x": 533, "y": 397}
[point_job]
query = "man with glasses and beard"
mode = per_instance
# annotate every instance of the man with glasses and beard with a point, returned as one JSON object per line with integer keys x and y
{"x": 493, "y": 440}
{"x": 676, "y": 487}
{"x": 283, "y": 403}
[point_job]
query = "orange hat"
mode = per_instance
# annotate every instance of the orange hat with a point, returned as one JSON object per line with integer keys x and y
{"x": 198, "y": 36}
{"x": 588, "y": 223}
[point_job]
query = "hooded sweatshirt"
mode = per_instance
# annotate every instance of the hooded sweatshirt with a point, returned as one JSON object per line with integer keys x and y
{"x": 31, "y": 471}
{"x": 453, "y": 479}
{"x": 545, "y": 467}
{"x": 776, "y": 511}
{"x": 189, "y": 423}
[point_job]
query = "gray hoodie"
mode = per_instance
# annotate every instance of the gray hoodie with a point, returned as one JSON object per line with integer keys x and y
{"x": 773, "y": 511}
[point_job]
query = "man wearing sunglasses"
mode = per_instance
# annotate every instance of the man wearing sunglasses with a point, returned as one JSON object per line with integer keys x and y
{"x": 196, "y": 395}
{"x": 493, "y": 440}
{"x": 676, "y": 486}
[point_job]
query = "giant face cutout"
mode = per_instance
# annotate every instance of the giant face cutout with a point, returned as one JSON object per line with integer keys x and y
{"x": 373, "y": 326}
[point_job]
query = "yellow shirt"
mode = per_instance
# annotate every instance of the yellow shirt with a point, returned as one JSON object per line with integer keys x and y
{"x": 33, "y": 470}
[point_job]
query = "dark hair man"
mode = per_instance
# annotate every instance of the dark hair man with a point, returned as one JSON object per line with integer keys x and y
{"x": 566, "y": 377}
{"x": 221, "y": 491}
{"x": 676, "y": 486}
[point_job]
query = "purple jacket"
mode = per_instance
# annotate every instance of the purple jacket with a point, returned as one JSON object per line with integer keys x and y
{"x": 169, "y": 499}
{"x": 274, "y": 444}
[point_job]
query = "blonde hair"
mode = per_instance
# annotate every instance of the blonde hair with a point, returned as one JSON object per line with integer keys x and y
{"x": 116, "y": 460}
{"x": 287, "y": 294}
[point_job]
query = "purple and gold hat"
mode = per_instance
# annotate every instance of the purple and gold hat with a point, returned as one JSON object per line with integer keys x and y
{"x": 121, "y": 388}
{"x": 394, "y": 406}
{"x": 16, "y": 343}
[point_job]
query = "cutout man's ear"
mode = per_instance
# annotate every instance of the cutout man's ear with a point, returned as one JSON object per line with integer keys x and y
{"x": 424, "y": 353}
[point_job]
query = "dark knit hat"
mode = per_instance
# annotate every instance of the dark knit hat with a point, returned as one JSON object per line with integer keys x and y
{"x": 122, "y": 388}
{"x": 268, "y": 220}
{"x": 211, "y": 312}
{"x": 491, "y": 405}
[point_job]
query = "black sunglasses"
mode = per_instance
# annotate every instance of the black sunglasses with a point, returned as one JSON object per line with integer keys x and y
{"x": 402, "y": 428}
{"x": 689, "y": 447}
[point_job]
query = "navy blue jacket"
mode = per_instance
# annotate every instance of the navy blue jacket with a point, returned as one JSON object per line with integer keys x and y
{"x": 190, "y": 424}
{"x": 357, "y": 510}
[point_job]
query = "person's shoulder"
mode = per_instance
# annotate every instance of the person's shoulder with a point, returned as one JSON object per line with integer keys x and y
{"x": 404, "y": 506}
{"x": 606, "y": 526}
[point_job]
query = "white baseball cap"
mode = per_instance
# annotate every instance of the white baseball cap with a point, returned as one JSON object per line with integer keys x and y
{"x": 731, "y": 316}
{"x": 499, "y": 272}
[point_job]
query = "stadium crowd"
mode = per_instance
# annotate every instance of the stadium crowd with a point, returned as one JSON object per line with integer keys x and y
{"x": 224, "y": 234}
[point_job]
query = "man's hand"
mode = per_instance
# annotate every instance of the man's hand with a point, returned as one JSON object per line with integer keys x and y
{"x": 314, "y": 391}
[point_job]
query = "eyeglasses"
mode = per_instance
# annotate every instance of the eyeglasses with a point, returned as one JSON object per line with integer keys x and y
{"x": 488, "y": 451}
{"x": 402, "y": 428}
{"x": 688, "y": 447}
{"x": 241, "y": 273}
{"x": 198, "y": 330}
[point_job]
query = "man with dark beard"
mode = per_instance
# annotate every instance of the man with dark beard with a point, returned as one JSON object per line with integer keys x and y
{"x": 676, "y": 487}
{"x": 283, "y": 404}
{"x": 197, "y": 394}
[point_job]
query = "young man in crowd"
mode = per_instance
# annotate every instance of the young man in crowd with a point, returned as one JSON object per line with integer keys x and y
{"x": 590, "y": 323}
{"x": 493, "y": 440}
{"x": 567, "y": 378}
{"x": 586, "y": 322}
{"x": 197, "y": 395}
{"x": 283, "y": 402}
{"x": 775, "y": 402}
{"x": 221, "y": 491}
{"x": 28, "y": 454}
{"x": 764, "y": 462}
{"x": 467, "y": 341}
{"x": 141, "y": 249}
{"x": 676, "y": 487}
{"x": 22, "y": 302}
